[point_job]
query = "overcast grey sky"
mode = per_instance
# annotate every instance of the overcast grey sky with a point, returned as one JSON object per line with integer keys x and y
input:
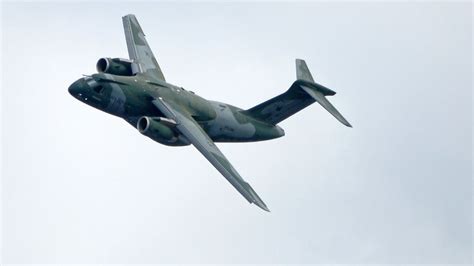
{"x": 81, "y": 186}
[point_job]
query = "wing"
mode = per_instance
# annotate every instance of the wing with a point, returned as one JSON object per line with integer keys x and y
{"x": 198, "y": 137}
{"x": 138, "y": 48}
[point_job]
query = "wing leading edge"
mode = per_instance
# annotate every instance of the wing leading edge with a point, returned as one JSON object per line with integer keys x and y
{"x": 138, "y": 49}
{"x": 198, "y": 137}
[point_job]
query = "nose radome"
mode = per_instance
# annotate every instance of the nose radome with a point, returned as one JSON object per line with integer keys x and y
{"x": 77, "y": 87}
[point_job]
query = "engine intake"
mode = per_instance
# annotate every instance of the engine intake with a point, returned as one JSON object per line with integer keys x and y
{"x": 116, "y": 66}
{"x": 160, "y": 129}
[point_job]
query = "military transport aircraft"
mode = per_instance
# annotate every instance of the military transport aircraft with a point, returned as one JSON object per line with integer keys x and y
{"x": 135, "y": 89}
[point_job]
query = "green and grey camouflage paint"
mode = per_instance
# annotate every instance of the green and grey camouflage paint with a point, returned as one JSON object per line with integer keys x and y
{"x": 137, "y": 91}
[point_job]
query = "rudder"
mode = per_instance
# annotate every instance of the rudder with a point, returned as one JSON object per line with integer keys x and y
{"x": 302, "y": 71}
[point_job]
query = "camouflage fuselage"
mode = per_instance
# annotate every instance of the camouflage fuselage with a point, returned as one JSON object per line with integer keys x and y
{"x": 130, "y": 97}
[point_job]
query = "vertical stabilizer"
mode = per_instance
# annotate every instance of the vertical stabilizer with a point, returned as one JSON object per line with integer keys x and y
{"x": 302, "y": 71}
{"x": 303, "y": 92}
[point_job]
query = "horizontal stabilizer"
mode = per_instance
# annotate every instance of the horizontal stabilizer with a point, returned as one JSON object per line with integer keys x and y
{"x": 319, "y": 97}
{"x": 316, "y": 91}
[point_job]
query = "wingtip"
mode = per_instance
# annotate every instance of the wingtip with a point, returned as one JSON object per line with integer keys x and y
{"x": 259, "y": 202}
{"x": 262, "y": 206}
{"x": 346, "y": 123}
{"x": 128, "y": 15}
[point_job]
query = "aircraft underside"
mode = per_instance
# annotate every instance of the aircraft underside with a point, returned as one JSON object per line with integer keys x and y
{"x": 229, "y": 125}
{"x": 136, "y": 90}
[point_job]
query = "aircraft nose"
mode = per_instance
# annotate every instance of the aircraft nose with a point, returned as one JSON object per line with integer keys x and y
{"x": 78, "y": 87}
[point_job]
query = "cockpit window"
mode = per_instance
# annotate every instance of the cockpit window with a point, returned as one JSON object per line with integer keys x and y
{"x": 99, "y": 89}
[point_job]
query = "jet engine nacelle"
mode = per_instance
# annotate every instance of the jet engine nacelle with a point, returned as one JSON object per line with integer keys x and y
{"x": 161, "y": 130}
{"x": 117, "y": 66}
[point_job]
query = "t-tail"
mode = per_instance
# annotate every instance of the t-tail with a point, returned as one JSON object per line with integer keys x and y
{"x": 303, "y": 92}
